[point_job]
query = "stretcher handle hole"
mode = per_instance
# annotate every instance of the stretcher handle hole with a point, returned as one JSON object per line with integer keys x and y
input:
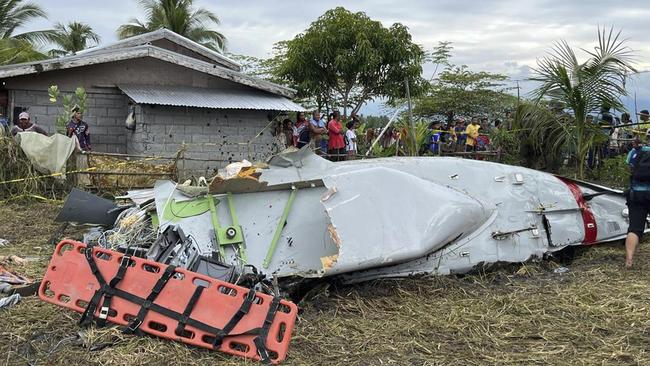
{"x": 81, "y": 304}
{"x": 227, "y": 290}
{"x": 47, "y": 291}
{"x": 185, "y": 334}
{"x": 53, "y": 269}
{"x": 208, "y": 339}
{"x": 103, "y": 256}
{"x": 66, "y": 248}
{"x": 160, "y": 327}
{"x": 258, "y": 300}
{"x": 284, "y": 308}
{"x": 199, "y": 282}
{"x": 128, "y": 317}
{"x": 281, "y": 330}
{"x": 239, "y": 347}
{"x": 81, "y": 250}
{"x": 178, "y": 276}
{"x": 64, "y": 298}
{"x": 151, "y": 268}
{"x": 273, "y": 355}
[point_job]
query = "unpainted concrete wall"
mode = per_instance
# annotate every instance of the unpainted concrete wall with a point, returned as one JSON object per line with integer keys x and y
{"x": 106, "y": 113}
{"x": 216, "y": 136}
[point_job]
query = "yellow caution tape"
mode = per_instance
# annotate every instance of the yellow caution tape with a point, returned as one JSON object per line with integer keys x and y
{"x": 34, "y": 196}
{"x": 78, "y": 171}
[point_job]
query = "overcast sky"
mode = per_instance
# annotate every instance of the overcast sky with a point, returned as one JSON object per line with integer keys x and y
{"x": 505, "y": 36}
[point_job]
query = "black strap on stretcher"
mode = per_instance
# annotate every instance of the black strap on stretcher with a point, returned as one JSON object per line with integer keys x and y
{"x": 105, "y": 290}
{"x": 135, "y": 323}
{"x": 109, "y": 290}
{"x": 180, "y": 328}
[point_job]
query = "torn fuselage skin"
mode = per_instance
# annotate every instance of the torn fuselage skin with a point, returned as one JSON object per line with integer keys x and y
{"x": 368, "y": 219}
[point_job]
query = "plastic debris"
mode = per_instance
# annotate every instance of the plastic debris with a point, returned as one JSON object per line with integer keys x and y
{"x": 560, "y": 270}
{"x": 4, "y": 242}
{"x": 9, "y": 301}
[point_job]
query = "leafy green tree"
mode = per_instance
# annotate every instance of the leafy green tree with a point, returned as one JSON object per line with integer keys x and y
{"x": 72, "y": 38}
{"x": 375, "y": 121}
{"x": 347, "y": 59}
{"x": 178, "y": 16}
{"x": 583, "y": 87}
{"x": 440, "y": 57}
{"x": 21, "y": 47}
{"x": 68, "y": 102}
{"x": 460, "y": 91}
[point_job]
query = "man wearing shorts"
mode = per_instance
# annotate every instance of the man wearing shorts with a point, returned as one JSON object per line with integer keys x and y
{"x": 638, "y": 199}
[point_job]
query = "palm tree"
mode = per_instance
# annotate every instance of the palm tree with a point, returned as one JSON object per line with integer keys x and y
{"x": 20, "y": 47}
{"x": 583, "y": 88}
{"x": 13, "y": 51}
{"x": 73, "y": 38}
{"x": 178, "y": 16}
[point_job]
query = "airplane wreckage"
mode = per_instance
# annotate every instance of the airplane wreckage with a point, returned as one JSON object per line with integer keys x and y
{"x": 299, "y": 216}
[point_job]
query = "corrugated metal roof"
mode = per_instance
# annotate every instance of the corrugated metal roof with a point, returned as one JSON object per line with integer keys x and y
{"x": 208, "y": 98}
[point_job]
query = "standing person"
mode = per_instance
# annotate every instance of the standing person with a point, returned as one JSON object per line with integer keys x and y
{"x": 452, "y": 139}
{"x": 644, "y": 115}
{"x": 79, "y": 128}
{"x": 4, "y": 125}
{"x": 25, "y": 125}
{"x": 287, "y": 131}
{"x": 302, "y": 132}
{"x": 351, "y": 140}
{"x": 336, "y": 147}
{"x": 638, "y": 198}
{"x": 461, "y": 137}
{"x": 436, "y": 137}
{"x": 318, "y": 128}
{"x": 471, "y": 133}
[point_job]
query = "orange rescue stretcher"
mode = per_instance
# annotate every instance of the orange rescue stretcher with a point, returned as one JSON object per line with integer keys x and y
{"x": 168, "y": 302}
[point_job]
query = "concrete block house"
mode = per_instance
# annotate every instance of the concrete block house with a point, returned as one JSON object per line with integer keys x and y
{"x": 180, "y": 92}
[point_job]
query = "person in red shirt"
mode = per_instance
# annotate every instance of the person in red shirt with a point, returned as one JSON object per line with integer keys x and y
{"x": 336, "y": 146}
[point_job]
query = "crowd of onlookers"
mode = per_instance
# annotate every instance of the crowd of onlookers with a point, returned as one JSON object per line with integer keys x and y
{"x": 327, "y": 138}
{"x": 457, "y": 136}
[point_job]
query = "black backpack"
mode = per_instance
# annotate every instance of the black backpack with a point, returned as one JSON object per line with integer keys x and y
{"x": 641, "y": 170}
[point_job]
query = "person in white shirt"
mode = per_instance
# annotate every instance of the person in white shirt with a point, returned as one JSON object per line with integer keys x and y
{"x": 351, "y": 140}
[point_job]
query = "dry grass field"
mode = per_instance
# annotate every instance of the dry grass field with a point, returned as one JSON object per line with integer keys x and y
{"x": 595, "y": 314}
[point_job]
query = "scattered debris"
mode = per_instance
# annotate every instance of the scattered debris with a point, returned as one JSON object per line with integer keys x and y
{"x": 4, "y": 242}
{"x": 560, "y": 270}
{"x": 271, "y": 216}
{"x": 85, "y": 208}
{"x": 9, "y": 301}
{"x": 12, "y": 258}
{"x": 11, "y": 277}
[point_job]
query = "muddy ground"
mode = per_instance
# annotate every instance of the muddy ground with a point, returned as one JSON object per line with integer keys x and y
{"x": 596, "y": 313}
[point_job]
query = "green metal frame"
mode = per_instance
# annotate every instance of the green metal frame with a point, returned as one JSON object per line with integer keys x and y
{"x": 279, "y": 228}
{"x": 221, "y": 232}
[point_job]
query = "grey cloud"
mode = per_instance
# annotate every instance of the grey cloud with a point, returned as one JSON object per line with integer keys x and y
{"x": 505, "y": 36}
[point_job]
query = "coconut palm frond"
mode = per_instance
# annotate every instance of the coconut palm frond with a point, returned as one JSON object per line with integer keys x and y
{"x": 178, "y": 16}
{"x": 133, "y": 28}
{"x": 73, "y": 37}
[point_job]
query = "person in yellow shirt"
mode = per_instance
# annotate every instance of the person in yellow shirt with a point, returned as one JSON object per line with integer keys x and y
{"x": 472, "y": 134}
